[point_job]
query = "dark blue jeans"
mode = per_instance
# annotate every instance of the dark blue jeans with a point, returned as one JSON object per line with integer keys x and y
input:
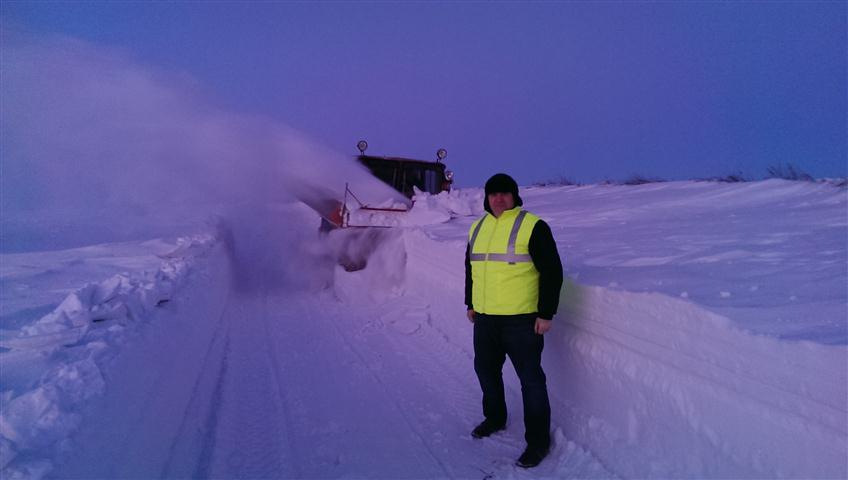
{"x": 498, "y": 336}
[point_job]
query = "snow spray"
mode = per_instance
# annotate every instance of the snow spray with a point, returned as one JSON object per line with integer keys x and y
{"x": 99, "y": 148}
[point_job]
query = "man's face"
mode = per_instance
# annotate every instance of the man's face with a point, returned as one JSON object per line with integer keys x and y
{"x": 500, "y": 202}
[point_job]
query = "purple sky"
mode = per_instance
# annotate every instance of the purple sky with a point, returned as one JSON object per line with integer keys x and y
{"x": 586, "y": 90}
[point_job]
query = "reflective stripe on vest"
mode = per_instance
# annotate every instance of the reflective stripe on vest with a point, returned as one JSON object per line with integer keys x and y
{"x": 510, "y": 256}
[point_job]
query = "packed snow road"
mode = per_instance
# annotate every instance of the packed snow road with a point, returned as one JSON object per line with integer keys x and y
{"x": 278, "y": 383}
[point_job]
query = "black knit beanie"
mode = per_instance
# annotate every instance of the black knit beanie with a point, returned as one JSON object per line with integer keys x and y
{"x": 501, "y": 183}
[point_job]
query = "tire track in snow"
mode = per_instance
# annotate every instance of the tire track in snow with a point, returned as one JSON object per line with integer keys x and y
{"x": 278, "y": 397}
{"x": 211, "y": 424}
{"x": 280, "y": 388}
{"x": 228, "y": 428}
{"x": 444, "y": 367}
{"x": 392, "y": 397}
{"x": 251, "y": 434}
{"x": 346, "y": 422}
{"x": 191, "y": 436}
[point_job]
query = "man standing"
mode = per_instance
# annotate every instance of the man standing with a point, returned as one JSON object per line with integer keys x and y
{"x": 513, "y": 276}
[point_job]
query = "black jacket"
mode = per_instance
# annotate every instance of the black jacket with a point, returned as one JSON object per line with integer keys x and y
{"x": 545, "y": 257}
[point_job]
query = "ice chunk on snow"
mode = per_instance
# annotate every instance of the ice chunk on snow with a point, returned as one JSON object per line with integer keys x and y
{"x": 72, "y": 313}
{"x": 78, "y": 381}
{"x": 34, "y": 419}
{"x": 107, "y": 289}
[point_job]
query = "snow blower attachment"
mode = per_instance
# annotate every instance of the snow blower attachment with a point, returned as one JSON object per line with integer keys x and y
{"x": 344, "y": 220}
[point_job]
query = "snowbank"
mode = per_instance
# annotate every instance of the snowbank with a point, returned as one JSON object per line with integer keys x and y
{"x": 660, "y": 387}
{"x": 53, "y": 366}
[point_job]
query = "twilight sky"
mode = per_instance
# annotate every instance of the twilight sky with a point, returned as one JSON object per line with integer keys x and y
{"x": 585, "y": 90}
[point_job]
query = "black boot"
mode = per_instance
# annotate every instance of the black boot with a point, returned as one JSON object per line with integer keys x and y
{"x": 532, "y": 456}
{"x": 485, "y": 429}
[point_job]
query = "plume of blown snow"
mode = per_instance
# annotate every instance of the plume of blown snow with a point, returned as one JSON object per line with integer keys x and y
{"x": 99, "y": 147}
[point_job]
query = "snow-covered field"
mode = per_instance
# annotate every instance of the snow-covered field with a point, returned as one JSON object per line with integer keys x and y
{"x": 702, "y": 333}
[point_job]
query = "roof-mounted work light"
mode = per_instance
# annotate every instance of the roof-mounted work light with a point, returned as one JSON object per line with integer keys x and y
{"x": 441, "y": 154}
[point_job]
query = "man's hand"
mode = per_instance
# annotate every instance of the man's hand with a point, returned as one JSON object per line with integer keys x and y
{"x": 542, "y": 326}
{"x": 470, "y": 315}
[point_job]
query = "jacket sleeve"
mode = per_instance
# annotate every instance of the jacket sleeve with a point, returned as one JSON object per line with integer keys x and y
{"x": 545, "y": 257}
{"x": 468, "y": 301}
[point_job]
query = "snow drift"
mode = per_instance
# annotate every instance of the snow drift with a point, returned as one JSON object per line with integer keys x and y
{"x": 662, "y": 388}
{"x": 52, "y": 367}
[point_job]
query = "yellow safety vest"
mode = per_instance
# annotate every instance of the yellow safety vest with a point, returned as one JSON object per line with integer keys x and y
{"x": 504, "y": 279}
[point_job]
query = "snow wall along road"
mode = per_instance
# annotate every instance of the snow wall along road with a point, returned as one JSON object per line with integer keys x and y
{"x": 658, "y": 387}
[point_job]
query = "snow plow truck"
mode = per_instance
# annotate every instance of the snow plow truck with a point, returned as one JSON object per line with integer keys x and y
{"x": 355, "y": 229}
{"x": 405, "y": 175}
